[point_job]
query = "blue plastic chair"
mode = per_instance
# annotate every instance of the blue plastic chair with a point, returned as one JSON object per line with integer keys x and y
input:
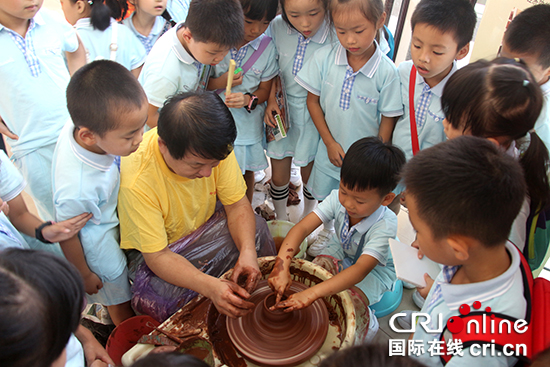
{"x": 389, "y": 301}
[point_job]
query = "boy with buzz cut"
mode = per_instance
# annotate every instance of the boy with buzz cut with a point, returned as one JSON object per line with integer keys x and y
{"x": 179, "y": 61}
{"x": 358, "y": 253}
{"x": 463, "y": 196}
{"x": 108, "y": 110}
{"x": 441, "y": 33}
{"x": 528, "y": 38}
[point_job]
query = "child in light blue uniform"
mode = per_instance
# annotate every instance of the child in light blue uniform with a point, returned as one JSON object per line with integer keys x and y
{"x": 296, "y": 38}
{"x": 353, "y": 90}
{"x": 441, "y": 34}
{"x": 34, "y": 78}
{"x": 178, "y": 9}
{"x": 358, "y": 254}
{"x": 107, "y": 124}
{"x": 251, "y": 89}
{"x": 179, "y": 61}
{"x": 150, "y": 23}
{"x": 102, "y": 36}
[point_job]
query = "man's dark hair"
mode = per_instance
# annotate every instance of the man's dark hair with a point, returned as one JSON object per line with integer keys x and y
{"x": 173, "y": 359}
{"x": 466, "y": 186}
{"x": 455, "y": 16}
{"x": 216, "y": 21}
{"x": 529, "y": 33}
{"x": 98, "y": 92}
{"x": 260, "y": 9}
{"x": 41, "y": 297}
{"x": 372, "y": 164}
{"x": 198, "y": 123}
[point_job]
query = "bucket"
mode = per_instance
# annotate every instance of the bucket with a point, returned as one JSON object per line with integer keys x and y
{"x": 279, "y": 229}
{"x": 126, "y": 335}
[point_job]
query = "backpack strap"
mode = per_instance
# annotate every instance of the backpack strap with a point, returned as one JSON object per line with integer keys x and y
{"x": 166, "y": 15}
{"x": 253, "y": 58}
{"x": 412, "y": 117}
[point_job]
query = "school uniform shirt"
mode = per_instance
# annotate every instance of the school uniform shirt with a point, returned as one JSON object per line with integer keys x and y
{"x": 86, "y": 182}
{"x": 159, "y": 28}
{"x": 428, "y": 113}
{"x": 178, "y": 9}
{"x": 503, "y": 294}
{"x": 157, "y": 207}
{"x": 12, "y": 185}
{"x": 352, "y": 105}
{"x": 130, "y": 52}
{"x": 542, "y": 126}
{"x": 250, "y": 125}
{"x": 34, "y": 78}
{"x": 169, "y": 69}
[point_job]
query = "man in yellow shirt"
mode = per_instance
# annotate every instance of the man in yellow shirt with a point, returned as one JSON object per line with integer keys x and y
{"x": 169, "y": 188}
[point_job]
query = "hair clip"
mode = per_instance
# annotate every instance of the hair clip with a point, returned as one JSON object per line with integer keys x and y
{"x": 90, "y": 2}
{"x": 517, "y": 59}
{"x": 525, "y": 82}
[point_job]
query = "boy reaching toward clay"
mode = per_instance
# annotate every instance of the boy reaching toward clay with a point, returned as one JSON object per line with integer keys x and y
{"x": 358, "y": 253}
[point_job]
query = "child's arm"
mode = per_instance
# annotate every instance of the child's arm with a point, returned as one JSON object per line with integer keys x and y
{"x": 4, "y": 130}
{"x": 334, "y": 149}
{"x": 387, "y": 124}
{"x": 239, "y": 100}
{"x": 72, "y": 249}
{"x": 221, "y": 81}
{"x": 279, "y": 279}
{"x": 341, "y": 281}
{"x": 77, "y": 59}
{"x": 272, "y": 106}
{"x": 136, "y": 71}
{"x": 93, "y": 351}
{"x": 152, "y": 116}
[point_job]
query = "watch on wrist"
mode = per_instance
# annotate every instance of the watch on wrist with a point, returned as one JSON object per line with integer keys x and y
{"x": 253, "y": 102}
{"x": 38, "y": 232}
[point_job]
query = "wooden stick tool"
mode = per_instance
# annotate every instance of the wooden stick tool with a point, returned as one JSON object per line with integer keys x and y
{"x": 230, "y": 75}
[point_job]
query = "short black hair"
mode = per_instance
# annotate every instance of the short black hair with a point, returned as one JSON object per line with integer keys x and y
{"x": 372, "y": 164}
{"x": 99, "y": 91}
{"x": 41, "y": 297}
{"x": 173, "y": 359}
{"x": 529, "y": 33}
{"x": 199, "y": 123}
{"x": 324, "y": 3}
{"x": 260, "y": 9}
{"x": 455, "y": 16}
{"x": 367, "y": 355}
{"x": 216, "y": 21}
{"x": 466, "y": 186}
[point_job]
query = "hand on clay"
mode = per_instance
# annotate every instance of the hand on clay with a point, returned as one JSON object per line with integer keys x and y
{"x": 335, "y": 154}
{"x": 296, "y": 301}
{"x": 246, "y": 272}
{"x": 429, "y": 283}
{"x": 230, "y": 299}
{"x": 92, "y": 283}
{"x": 236, "y": 100}
{"x": 279, "y": 280}
{"x": 67, "y": 229}
{"x": 268, "y": 117}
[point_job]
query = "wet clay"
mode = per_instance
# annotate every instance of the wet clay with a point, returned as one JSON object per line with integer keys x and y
{"x": 277, "y": 338}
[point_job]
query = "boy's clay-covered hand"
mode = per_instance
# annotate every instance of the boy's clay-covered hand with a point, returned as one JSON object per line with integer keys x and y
{"x": 279, "y": 280}
{"x": 335, "y": 154}
{"x": 297, "y": 301}
{"x": 92, "y": 283}
{"x": 230, "y": 299}
{"x": 62, "y": 231}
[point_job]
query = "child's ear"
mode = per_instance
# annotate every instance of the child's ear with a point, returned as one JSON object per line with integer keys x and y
{"x": 80, "y": 6}
{"x": 381, "y": 21}
{"x": 387, "y": 200}
{"x": 186, "y": 34}
{"x": 463, "y": 52}
{"x": 86, "y": 136}
{"x": 460, "y": 246}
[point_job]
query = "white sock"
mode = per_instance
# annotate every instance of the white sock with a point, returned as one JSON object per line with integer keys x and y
{"x": 279, "y": 194}
{"x": 309, "y": 202}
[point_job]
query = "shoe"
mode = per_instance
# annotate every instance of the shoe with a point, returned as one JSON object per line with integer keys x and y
{"x": 259, "y": 176}
{"x": 374, "y": 325}
{"x": 320, "y": 243}
{"x": 417, "y": 299}
{"x": 405, "y": 321}
{"x": 295, "y": 176}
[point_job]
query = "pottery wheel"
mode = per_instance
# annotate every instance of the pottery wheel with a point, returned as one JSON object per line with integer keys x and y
{"x": 277, "y": 338}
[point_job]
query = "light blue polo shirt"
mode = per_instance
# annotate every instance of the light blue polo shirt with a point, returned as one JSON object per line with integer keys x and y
{"x": 504, "y": 294}
{"x": 430, "y": 131}
{"x": 12, "y": 184}
{"x": 250, "y": 126}
{"x": 178, "y": 9}
{"x": 130, "y": 52}
{"x": 86, "y": 182}
{"x": 160, "y": 26}
{"x": 35, "y": 108}
{"x": 542, "y": 126}
{"x": 375, "y": 91}
{"x": 169, "y": 69}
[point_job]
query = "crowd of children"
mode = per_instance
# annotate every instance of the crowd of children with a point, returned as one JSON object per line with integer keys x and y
{"x": 367, "y": 135}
